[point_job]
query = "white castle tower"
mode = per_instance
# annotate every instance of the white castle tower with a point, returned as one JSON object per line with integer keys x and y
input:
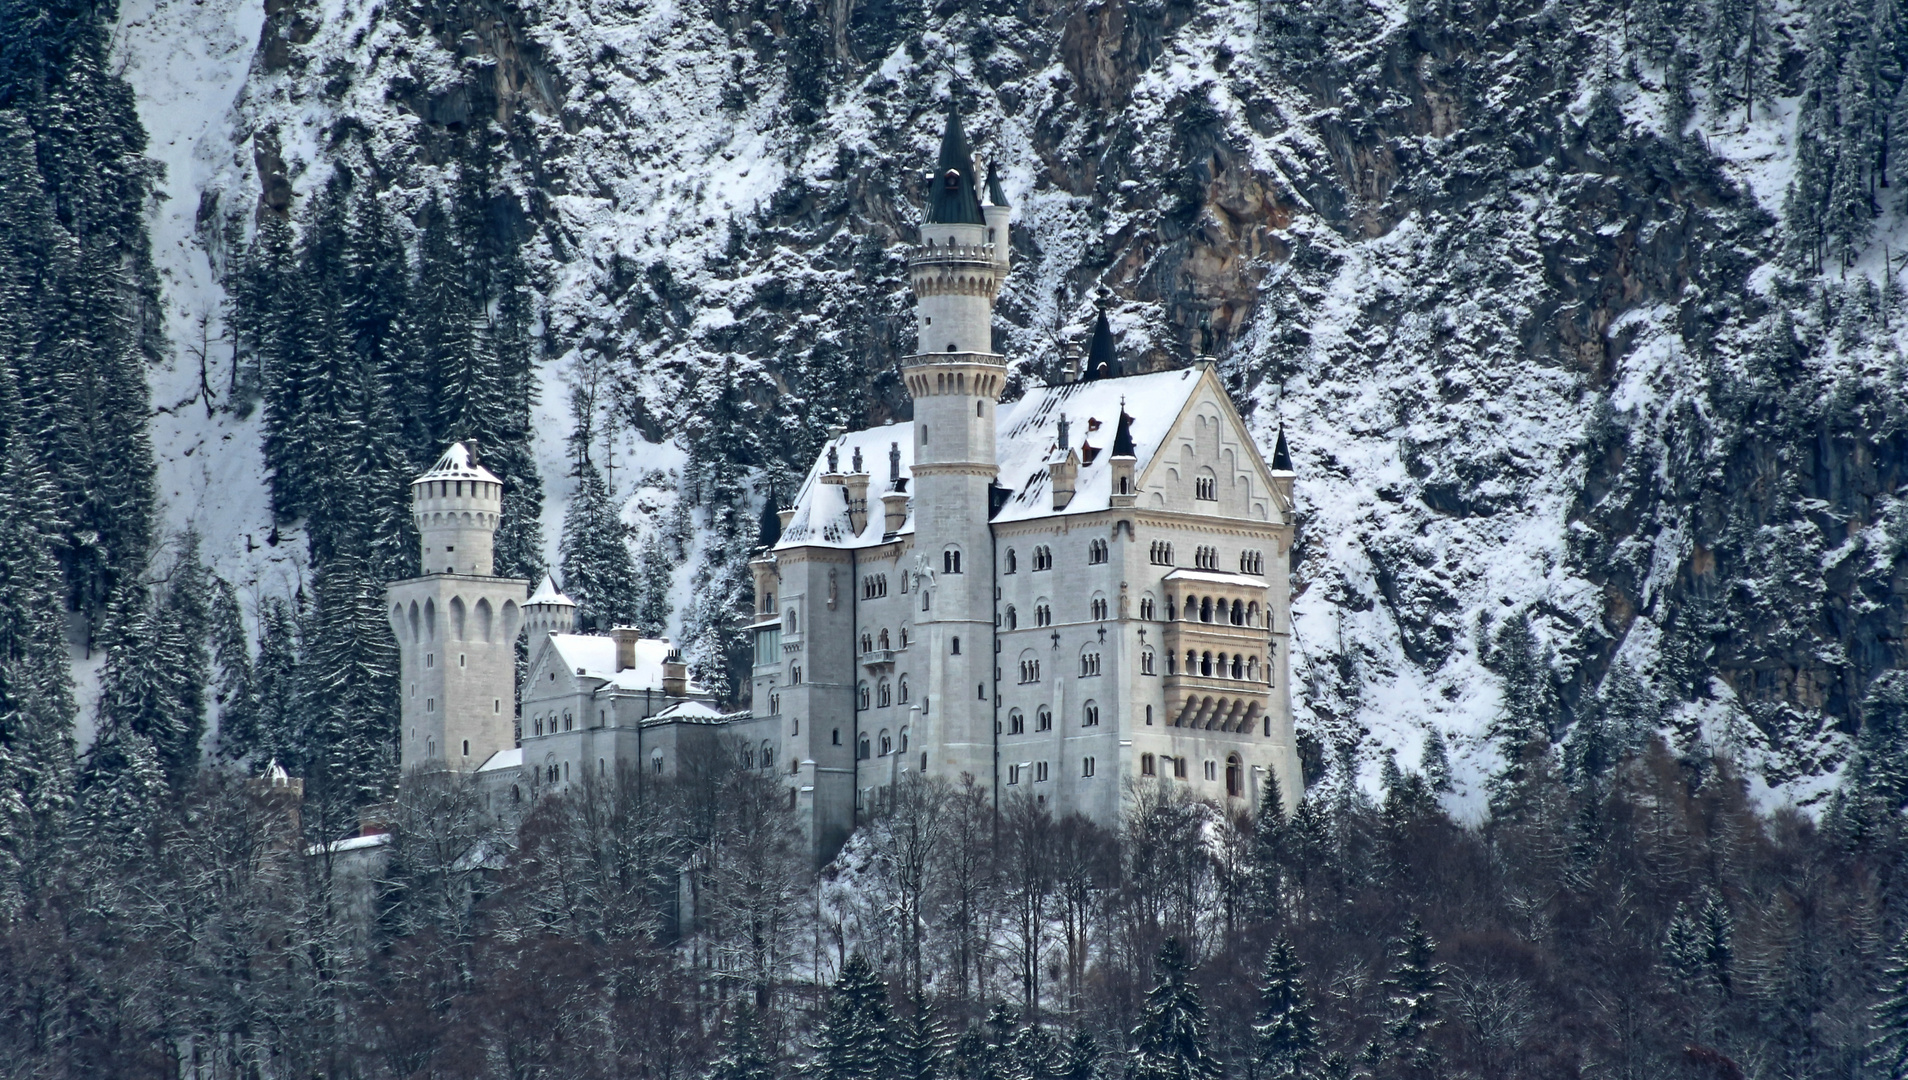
{"x": 955, "y": 379}
{"x": 456, "y": 625}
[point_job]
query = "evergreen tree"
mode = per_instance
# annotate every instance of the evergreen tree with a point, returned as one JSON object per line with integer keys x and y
{"x": 185, "y": 617}
{"x": 746, "y": 1054}
{"x": 852, "y": 1042}
{"x": 1038, "y": 1053}
{"x": 1523, "y": 728}
{"x": 1081, "y": 1058}
{"x": 1268, "y": 841}
{"x": 1435, "y": 763}
{"x": 1879, "y": 773}
{"x": 276, "y": 679}
{"x": 1286, "y": 1032}
{"x": 123, "y": 799}
{"x": 655, "y": 577}
{"x": 1888, "y": 1047}
{"x": 348, "y": 692}
{"x": 140, "y": 692}
{"x": 1682, "y": 948}
{"x": 1171, "y": 1041}
{"x": 1411, "y": 992}
{"x": 235, "y": 688}
{"x": 1717, "y": 942}
{"x": 920, "y": 1044}
{"x": 597, "y": 571}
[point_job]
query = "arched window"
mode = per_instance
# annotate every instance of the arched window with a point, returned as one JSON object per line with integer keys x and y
{"x": 977, "y": 409}
{"x": 1012, "y": 618}
{"x": 656, "y": 762}
{"x": 884, "y": 694}
{"x": 1238, "y": 667}
{"x": 904, "y": 689}
{"x": 1086, "y": 763}
{"x": 887, "y": 743}
{"x": 1012, "y": 563}
{"x": 539, "y": 725}
{"x": 748, "y": 757}
{"x": 1089, "y": 663}
{"x": 861, "y": 749}
{"x": 1252, "y": 668}
{"x": 1043, "y": 558}
{"x": 956, "y": 650}
{"x": 904, "y": 740}
{"x": 1043, "y": 720}
{"x": 1147, "y": 662}
{"x": 1205, "y": 663}
{"x": 1205, "y": 609}
{"x": 951, "y": 561}
{"x": 837, "y": 736}
{"x": 1098, "y": 608}
{"x": 884, "y": 639}
{"x": 861, "y": 696}
{"x": 1238, "y": 613}
{"x": 1146, "y": 765}
{"x": 1212, "y": 770}
{"x": 1090, "y": 716}
{"x": 1096, "y": 551}
{"x": 788, "y": 621}
{"x": 1147, "y": 609}
{"x": 1252, "y": 613}
{"x": 1206, "y": 485}
{"x": 867, "y": 643}
{"x": 1016, "y": 723}
{"x": 795, "y": 675}
{"x": 768, "y": 754}
{"x": 904, "y": 637}
{"x": 1043, "y": 614}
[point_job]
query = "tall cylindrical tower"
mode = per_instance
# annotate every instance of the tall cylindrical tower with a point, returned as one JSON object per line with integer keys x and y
{"x": 457, "y": 505}
{"x": 955, "y": 379}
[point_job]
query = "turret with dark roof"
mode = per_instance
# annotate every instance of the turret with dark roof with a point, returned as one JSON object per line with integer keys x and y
{"x": 995, "y": 196}
{"x": 1281, "y": 457}
{"x": 954, "y": 200}
{"x": 1103, "y": 361}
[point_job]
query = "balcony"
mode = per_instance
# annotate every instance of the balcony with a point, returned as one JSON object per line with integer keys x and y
{"x": 878, "y": 659}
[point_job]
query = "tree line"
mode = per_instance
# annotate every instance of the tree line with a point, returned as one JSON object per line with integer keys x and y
{"x": 1623, "y": 910}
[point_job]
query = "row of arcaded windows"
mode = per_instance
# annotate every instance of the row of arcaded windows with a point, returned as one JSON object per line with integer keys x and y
{"x": 884, "y": 693}
{"x": 1212, "y": 665}
{"x": 1235, "y": 771}
{"x": 866, "y": 748}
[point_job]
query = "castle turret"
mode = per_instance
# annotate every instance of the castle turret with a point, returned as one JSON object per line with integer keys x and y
{"x": 955, "y": 378}
{"x": 457, "y": 624}
{"x": 547, "y": 612}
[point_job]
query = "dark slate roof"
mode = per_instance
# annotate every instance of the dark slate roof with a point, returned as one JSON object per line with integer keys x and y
{"x": 1281, "y": 457}
{"x": 994, "y": 194}
{"x": 958, "y": 203}
{"x": 1123, "y": 437}
{"x": 1102, "y": 361}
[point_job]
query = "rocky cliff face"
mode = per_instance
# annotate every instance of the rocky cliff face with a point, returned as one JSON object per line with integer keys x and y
{"x": 1516, "y": 290}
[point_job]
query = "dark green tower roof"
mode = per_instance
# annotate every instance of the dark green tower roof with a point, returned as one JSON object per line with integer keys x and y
{"x": 994, "y": 194}
{"x": 953, "y": 200}
{"x": 1123, "y": 436}
{"x": 1281, "y": 457}
{"x": 1102, "y": 361}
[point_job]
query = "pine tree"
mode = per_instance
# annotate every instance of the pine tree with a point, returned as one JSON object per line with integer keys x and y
{"x": 1171, "y": 1041}
{"x": 1682, "y": 949}
{"x": 1286, "y": 1031}
{"x": 235, "y": 688}
{"x": 1268, "y": 842}
{"x": 1038, "y": 1053}
{"x": 746, "y": 1054}
{"x": 597, "y": 571}
{"x": 1717, "y": 941}
{"x": 655, "y": 577}
{"x": 1435, "y": 763}
{"x": 1411, "y": 993}
{"x": 1522, "y": 729}
{"x": 276, "y": 673}
{"x": 1888, "y": 1047}
{"x": 1879, "y": 773}
{"x": 139, "y": 687}
{"x": 123, "y": 799}
{"x": 185, "y": 618}
{"x": 852, "y": 1041}
{"x": 1081, "y": 1058}
{"x": 348, "y": 691}
{"x": 920, "y": 1044}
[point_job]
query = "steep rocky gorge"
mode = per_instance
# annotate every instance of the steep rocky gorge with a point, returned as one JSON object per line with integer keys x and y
{"x": 1520, "y": 297}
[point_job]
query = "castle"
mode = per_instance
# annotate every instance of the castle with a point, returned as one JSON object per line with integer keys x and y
{"x": 1062, "y": 596}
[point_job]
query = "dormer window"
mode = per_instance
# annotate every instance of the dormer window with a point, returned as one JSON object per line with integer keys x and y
{"x": 952, "y": 178}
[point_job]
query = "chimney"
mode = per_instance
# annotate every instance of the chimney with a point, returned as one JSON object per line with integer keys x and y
{"x": 675, "y": 681}
{"x": 626, "y": 638}
{"x": 1064, "y": 469}
{"x": 894, "y": 508}
{"x": 787, "y": 514}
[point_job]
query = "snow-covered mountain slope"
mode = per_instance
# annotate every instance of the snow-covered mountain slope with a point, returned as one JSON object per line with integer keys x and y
{"x": 1516, "y": 306}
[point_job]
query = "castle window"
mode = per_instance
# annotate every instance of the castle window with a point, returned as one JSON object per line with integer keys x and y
{"x": 1206, "y": 486}
{"x": 1212, "y": 770}
{"x": 1146, "y": 765}
{"x": 1012, "y": 563}
{"x": 837, "y": 734}
{"x": 568, "y": 721}
{"x": 1030, "y": 670}
{"x": 1016, "y": 723}
{"x": 1043, "y": 615}
{"x": 1172, "y": 663}
{"x": 1086, "y": 766}
{"x": 1205, "y": 664}
{"x": 1238, "y": 613}
{"x": 1090, "y": 717}
{"x": 956, "y": 650}
{"x": 1205, "y": 609}
{"x": 904, "y": 637}
{"x": 1252, "y": 562}
{"x": 1146, "y": 662}
{"x": 795, "y": 675}
{"x": 466, "y": 747}
{"x": 904, "y": 740}
{"x": 1098, "y": 608}
{"x": 884, "y": 639}
{"x": 887, "y": 743}
{"x": 1012, "y": 618}
{"x": 1043, "y": 558}
{"x": 1162, "y": 553}
{"x": 656, "y": 762}
{"x": 460, "y": 660}
{"x": 1096, "y": 551}
{"x": 1147, "y": 610}
{"x": 1179, "y": 768}
{"x": 861, "y": 696}
{"x": 430, "y": 704}
{"x": 788, "y": 621}
{"x": 1235, "y": 785}
{"x": 1089, "y": 664}
{"x": 904, "y": 690}
{"x": 1252, "y": 669}
{"x": 884, "y": 694}
{"x": 951, "y": 561}
{"x": 1013, "y": 774}
{"x": 539, "y": 725}
{"x": 1238, "y": 667}
{"x": 1149, "y": 716}
{"x": 977, "y": 409}
{"x": 1040, "y": 773}
{"x": 867, "y": 644}
{"x": 1043, "y": 720}
{"x": 1206, "y": 558}
{"x": 748, "y": 757}
{"x": 430, "y": 660}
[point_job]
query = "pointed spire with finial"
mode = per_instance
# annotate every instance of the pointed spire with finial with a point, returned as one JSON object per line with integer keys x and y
{"x": 1123, "y": 435}
{"x": 1102, "y": 361}
{"x": 994, "y": 193}
{"x": 1281, "y": 457}
{"x": 955, "y": 200}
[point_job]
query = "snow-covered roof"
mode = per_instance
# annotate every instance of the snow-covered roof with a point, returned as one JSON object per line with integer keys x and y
{"x": 548, "y": 593}
{"x": 689, "y": 710}
{"x": 821, "y": 510}
{"x": 594, "y": 657}
{"x": 355, "y": 843}
{"x": 1026, "y": 439}
{"x": 458, "y": 464}
{"x": 503, "y": 759}
{"x": 1216, "y": 577}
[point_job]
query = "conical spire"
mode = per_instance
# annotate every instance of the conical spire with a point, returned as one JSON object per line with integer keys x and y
{"x": 1102, "y": 362}
{"x": 954, "y": 200}
{"x": 1281, "y": 457}
{"x": 1123, "y": 436}
{"x": 994, "y": 194}
{"x": 768, "y": 528}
